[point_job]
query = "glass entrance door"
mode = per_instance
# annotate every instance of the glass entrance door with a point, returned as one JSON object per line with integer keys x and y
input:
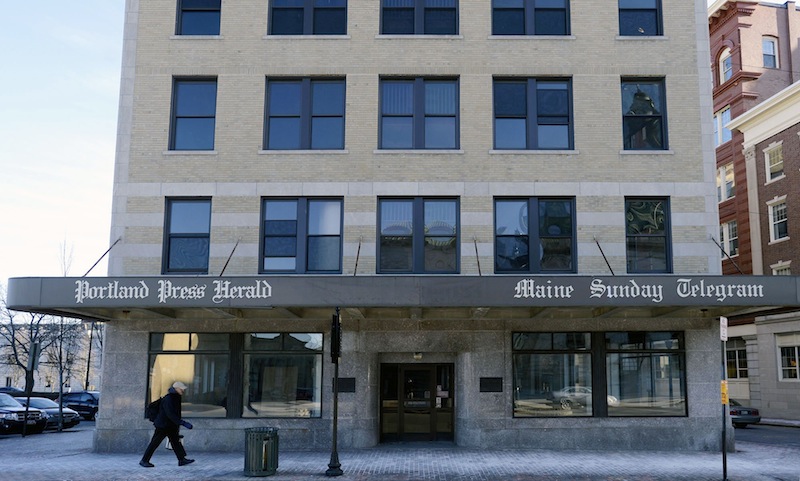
{"x": 416, "y": 402}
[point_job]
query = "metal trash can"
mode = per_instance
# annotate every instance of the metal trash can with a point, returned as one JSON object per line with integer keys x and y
{"x": 261, "y": 451}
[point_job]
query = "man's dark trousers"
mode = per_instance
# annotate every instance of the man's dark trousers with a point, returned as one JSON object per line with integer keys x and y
{"x": 158, "y": 436}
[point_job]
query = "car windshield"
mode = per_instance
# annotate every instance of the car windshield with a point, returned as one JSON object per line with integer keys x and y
{"x": 734, "y": 402}
{"x": 43, "y": 403}
{"x": 7, "y": 401}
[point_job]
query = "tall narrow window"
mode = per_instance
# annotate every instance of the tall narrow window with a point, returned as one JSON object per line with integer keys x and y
{"x": 725, "y": 65}
{"x": 648, "y": 235}
{"x": 308, "y": 17}
{"x": 187, "y": 236}
{"x": 198, "y": 17}
{"x": 774, "y": 161}
{"x": 722, "y": 134}
{"x": 736, "y": 358}
{"x": 726, "y": 183}
{"x": 302, "y": 235}
{"x": 535, "y": 235}
{"x": 305, "y": 114}
{"x": 778, "y": 220}
{"x": 640, "y": 17}
{"x": 532, "y": 114}
{"x": 729, "y": 238}
{"x": 419, "y": 17}
{"x": 419, "y": 114}
{"x": 788, "y": 345}
{"x": 194, "y": 109}
{"x": 418, "y": 235}
{"x": 530, "y": 17}
{"x": 644, "y": 111}
{"x": 769, "y": 47}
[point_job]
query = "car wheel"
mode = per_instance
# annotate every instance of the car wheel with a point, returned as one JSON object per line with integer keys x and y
{"x": 739, "y": 425}
{"x": 566, "y": 404}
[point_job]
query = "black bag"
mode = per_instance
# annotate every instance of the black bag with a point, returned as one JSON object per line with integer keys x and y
{"x": 151, "y": 411}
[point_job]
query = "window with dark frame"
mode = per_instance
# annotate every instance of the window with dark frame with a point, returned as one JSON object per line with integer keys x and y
{"x": 640, "y": 18}
{"x": 419, "y": 113}
{"x": 187, "y": 236}
{"x": 418, "y": 235}
{"x": 301, "y": 235}
{"x": 644, "y": 111}
{"x": 530, "y": 17}
{"x": 736, "y": 358}
{"x": 646, "y": 373}
{"x": 305, "y": 114}
{"x": 647, "y": 235}
{"x": 198, "y": 17}
{"x": 194, "y": 110}
{"x": 419, "y": 17}
{"x": 539, "y": 225}
{"x": 281, "y": 373}
{"x": 308, "y": 17}
{"x": 532, "y": 114}
{"x": 552, "y": 374}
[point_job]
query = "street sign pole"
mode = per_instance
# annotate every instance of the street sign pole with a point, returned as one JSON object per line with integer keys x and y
{"x": 723, "y": 336}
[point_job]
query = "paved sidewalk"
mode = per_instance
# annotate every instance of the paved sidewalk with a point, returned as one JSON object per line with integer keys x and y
{"x": 68, "y": 456}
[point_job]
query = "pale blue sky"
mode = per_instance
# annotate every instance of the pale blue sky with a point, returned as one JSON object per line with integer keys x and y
{"x": 59, "y": 92}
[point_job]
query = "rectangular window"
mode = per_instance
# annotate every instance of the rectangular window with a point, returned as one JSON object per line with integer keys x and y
{"x": 729, "y": 238}
{"x": 774, "y": 161}
{"x": 788, "y": 346}
{"x": 782, "y": 268}
{"x": 530, "y": 17}
{"x": 647, "y": 235}
{"x": 198, "y": 17}
{"x": 721, "y": 133}
{"x": 736, "y": 358}
{"x": 769, "y": 47}
{"x": 640, "y": 18}
{"x": 644, "y": 108}
{"x": 282, "y": 375}
{"x": 301, "y": 235}
{"x": 646, "y": 373}
{"x": 279, "y": 375}
{"x": 552, "y": 374}
{"x": 725, "y": 65}
{"x": 187, "y": 236}
{"x": 308, "y": 17}
{"x": 419, "y": 113}
{"x": 779, "y": 221}
{"x": 199, "y": 360}
{"x": 532, "y": 114}
{"x": 194, "y": 109}
{"x": 305, "y": 114}
{"x": 419, "y": 17}
{"x": 543, "y": 226}
{"x": 418, "y": 235}
{"x": 726, "y": 183}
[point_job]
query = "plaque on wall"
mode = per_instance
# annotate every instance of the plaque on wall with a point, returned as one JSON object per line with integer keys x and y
{"x": 491, "y": 384}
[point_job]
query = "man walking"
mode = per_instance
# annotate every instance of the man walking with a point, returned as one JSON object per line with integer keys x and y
{"x": 167, "y": 423}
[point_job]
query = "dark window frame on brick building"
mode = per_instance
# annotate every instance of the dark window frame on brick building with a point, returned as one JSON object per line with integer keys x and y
{"x": 648, "y": 237}
{"x": 419, "y": 113}
{"x": 530, "y": 17}
{"x": 640, "y": 18}
{"x": 198, "y": 17}
{"x": 419, "y": 17}
{"x": 187, "y": 235}
{"x": 194, "y": 111}
{"x": 644, "y": 114}
{"x": 304, "y": 114}
{"x": 533, "y": 114}
{"x": 308, "y": 17}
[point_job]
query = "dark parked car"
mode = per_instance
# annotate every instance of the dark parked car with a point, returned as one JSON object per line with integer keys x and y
{"x": 11, "y": 390}
{"x": 13, "y": 417}
{"x": 71, "y": 417}
{"x": 742, "y": 415}
{"x": 85, "y": 402}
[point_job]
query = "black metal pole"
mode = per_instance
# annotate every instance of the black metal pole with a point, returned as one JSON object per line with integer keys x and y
{"x": 334, "y": 466}
{"x": 89, "y": 357}
{"x": 724, "y": 419}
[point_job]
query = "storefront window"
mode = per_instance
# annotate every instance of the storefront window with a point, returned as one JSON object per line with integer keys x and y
{"x": 283, "y": 375}
{"x": 552, "y": 374}
{"x": 199, "y": 360}
{"x": 645, "y": 373}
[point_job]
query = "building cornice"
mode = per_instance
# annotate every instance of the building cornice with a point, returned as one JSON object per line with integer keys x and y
{"x": 771, "y": 116}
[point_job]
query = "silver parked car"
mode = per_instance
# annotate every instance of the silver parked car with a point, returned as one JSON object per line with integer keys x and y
{"x": 742, "y": 415}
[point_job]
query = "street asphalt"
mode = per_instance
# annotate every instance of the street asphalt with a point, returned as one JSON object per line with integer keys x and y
{"x": 68, "y": 456}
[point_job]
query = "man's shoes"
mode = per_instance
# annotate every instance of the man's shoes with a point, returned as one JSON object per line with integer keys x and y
{"x": 185, "y": 461}
{"x": 146, "y": 464}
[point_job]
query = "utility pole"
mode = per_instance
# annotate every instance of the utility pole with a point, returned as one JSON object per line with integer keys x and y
{"x": 334, "y": 466}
